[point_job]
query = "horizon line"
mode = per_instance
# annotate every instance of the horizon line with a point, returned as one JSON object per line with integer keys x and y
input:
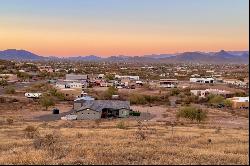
{"x": 130, "y": 55}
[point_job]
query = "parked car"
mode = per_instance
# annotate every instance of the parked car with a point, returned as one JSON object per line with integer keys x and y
{"x": 220, "y": 105}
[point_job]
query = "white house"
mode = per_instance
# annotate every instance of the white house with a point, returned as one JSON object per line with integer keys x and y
{"x": 9, "y": 77}
{"x": 168, "y": 83}
{"x": 234, "y": 82}
{"x": 202, "y": 80}
{"x": 127, "y": 77}
{"x": 76, "y": 77}
{"x": 204, "y": 93}
{"x": 70, "y": 84}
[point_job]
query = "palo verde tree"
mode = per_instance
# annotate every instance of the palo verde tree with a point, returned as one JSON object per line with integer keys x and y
{"x": 46, "y": 101}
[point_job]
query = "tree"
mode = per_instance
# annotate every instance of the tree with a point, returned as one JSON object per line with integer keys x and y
{"x": 109, "y": 92}
{"x": 109, "y": 77}
{"x": 23, "y": 76}
{"x": 3, "y": 82}
{"x": 46, "y": 101}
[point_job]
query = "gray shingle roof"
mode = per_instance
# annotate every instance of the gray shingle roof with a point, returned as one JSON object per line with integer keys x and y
{"x": 98, "y": 105}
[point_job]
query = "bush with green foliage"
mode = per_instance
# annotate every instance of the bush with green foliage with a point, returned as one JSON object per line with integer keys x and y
{"x": 192, "y": 113}
{"x": 137, "y": 99}
{"x": 215, "y": 99}
{"x": 228, "y": 103}
{"x": 107, "y": 95}
{"x": 46, "y": 101}
{"x": 55, "y": 93}
{"x": 3, "y": 83}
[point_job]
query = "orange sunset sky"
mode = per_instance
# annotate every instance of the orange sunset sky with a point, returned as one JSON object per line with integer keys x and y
{"x": 113, "y": 27}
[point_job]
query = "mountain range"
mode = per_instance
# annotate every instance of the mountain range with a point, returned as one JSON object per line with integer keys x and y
{"x": 185, "y": 57}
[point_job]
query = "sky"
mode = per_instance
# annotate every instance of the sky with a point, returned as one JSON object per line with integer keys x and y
{"x": 123, "y": 27}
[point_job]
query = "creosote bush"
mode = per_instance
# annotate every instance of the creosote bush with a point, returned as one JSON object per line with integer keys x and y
{"x": 10, "y": 121}
{"x": 31, "y": 132}
{"x": 192, "y": 113}
{"x": 121, "y": 125}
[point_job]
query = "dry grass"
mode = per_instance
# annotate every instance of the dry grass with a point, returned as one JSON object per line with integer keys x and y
{"x": 89, "y": 142}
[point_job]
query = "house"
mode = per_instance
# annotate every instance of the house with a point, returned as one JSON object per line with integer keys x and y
{"x": 240, "y": 102}
{"x": 9, "y": 77}
{"x": 97, "y": 109}
{"x": 78, "y": 103}
{"x": 46, "y": 69}
{"x": 76, "y": 77}
{"x": 202, "y": 80}
{"x": 200, "y": 93}
{"x": 127, "y": 77}
{"x": 168, "y": 83}
{"x": 204, "y": 93}
{"x": 234, "y": 82}
{"x": 125, "y": 82}
{"x": 71, "y": 84}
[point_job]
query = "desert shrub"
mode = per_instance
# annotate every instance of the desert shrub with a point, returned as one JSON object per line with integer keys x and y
{"x": 174, "y": 92}
{"x": 186, "y": 91}
{"x": 202, "y": 100}
{"x": 215, "y": 99}
{"x": 109, "y": 92}
{"x": 43, "y": 87}
{"x": 140, "y": 133}
{"x": 79, "y": 135}
{"x": 10, "y": 121}
{"x": 228, "y": 103}
{"x": 191, "y": 99}
{"x": 51, "y": 143}
{"x": 137, "y": 99}
{"x": 152, "y": 99}
{"x": 31, "y": 132}
{"x": 192, "y": 113}
{"x": 10, "y": 90}
{"x": 147, "y": 86}
{"x": 121, "y": 125}
{"x": 240, "y": 94}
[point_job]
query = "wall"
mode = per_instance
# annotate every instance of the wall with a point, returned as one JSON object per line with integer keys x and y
{"x": 88, "y": 114}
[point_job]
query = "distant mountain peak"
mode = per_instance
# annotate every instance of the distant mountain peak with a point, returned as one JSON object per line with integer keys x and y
{"x": 221, "y": 56}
